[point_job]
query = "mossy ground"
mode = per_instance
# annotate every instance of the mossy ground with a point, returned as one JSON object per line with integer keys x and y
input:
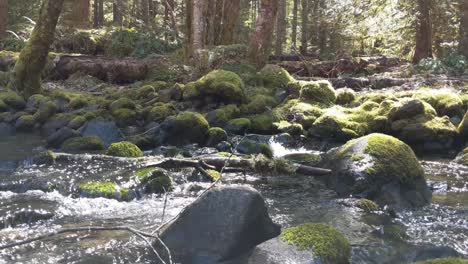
{"x": 326, "y": 242}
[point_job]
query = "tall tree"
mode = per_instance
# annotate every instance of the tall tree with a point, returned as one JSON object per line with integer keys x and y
{"x": 144, "y": 12}
{"x": 26, "y": 75}
{"x": 231, "y": 14}
{"x": 463, "y": 45}
{"x": 77, "y": 13}
{"x": 98, "y": 13}
{"x": 304, "y": 26}
{"x": 197, "y": 29}
{"x": 261, "y": 38}
{"x": 280, "y": 27}
{"x": 423, "y": 31}
{"x": 3, "y": 18}
{"x": 294, "y": 25}
{"x": 117, "y": 12}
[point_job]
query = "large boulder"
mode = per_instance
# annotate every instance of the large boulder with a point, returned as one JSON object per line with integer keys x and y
{"x": 107, "y": 131}
{"x": 380, "y": 168}
{"x": 185, "y": 128}
{"x": 223, "y": 226}
{"x": 463, "y": 128}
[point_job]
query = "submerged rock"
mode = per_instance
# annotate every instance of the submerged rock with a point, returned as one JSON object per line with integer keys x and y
{"x": 223, "y": 226}
{"x": 380, "y": 168}
{"x": 24, "y": 216}
{"x": 107, "y": 131}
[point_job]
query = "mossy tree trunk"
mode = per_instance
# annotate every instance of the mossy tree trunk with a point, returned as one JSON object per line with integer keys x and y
{"x": 26, "y": 75}
{"x": 423, "y": 31}
{"x": 3, "y": 18}
{"x": 261, "y": 38}
{"x": 463, "y": 45}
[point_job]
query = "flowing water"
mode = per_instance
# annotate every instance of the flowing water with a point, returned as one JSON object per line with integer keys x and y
{"x": 28, "y": 209}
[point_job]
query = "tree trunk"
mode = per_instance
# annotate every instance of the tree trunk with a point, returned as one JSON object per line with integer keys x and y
{"x": 294, "y": 26}
{"x": 144, "y": 11}
{"x": 3, "y": 18}
{"x": 117, "y": 12}
{"x": 26, "y": 75}
{"x": 423, "y": 31}
{"x": 261, "y": 38}
{"x": 322, "y": 29}
{"x": 76, "y": 13}
{"x": 169, "y": 7}
{"x": 231, "y": 14}
{"x": 463, "y": 45}
{"x": 280, "y": 27}
{"x": 188, "y": 27}
{"x": 197, "y": 29}
{"x": 304, "y": 27}
{"x": 98, "y": 13}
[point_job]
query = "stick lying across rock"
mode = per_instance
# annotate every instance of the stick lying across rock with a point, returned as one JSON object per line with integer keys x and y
{"x": 232, "y": 165}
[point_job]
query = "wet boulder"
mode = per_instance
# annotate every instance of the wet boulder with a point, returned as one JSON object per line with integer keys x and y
{"x": 463, "y": 128}
{"x": 124, "y": 149}
{"x": 462, "y": 158}
{"x": 103, "y": 189}
{"x": 380, "y": 168}
{"x": 223, "y": 226}
{"x": 107, "y": 131}
{"x": 57, "y": 138}
{"x": 275, "y": 77}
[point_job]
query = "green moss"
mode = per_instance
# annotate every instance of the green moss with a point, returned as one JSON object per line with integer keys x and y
{"x": 275, "y": 77}
{"x": 320, "y": 92}
{"x": 146, "y": 92}
{"x": 124, "y": 116}
{"x": 226, "y": 154}
{"x": 222, "y": 85}
{"x": 463, "y": 127}
{"x": 12, "y": 99}
{"x": 78, "y": 102}
{"x": 186, "y": 127}
{"x": 159, "y": 112}
{"x": 291, "y": 128}
{"x": 141, "y": 173}
{"x": 263, "y": 124}
{"x": 295, "y": 106}
{"x": 124, "y": 149}
{"x": 215, "y": 136}
{"x": 452, "y": 260}
{"x": 83, "y": 144}
{"x": 445, "y": 102}
{"x": 3, "y": 106}
{"x": 45, "y": 111}
{"x": 251, "y": 147}
{"x": 124, "y": 103}
{"x": 259, "y": 104}
{"x": 77, "y": 122}
{"x": 367, "y": 205}
{"x": 246, "y": 72}
{"x": 377, "y": 97}
{"x": 392, "y": 156}
{"x": 309, "y": 159}
{"x": 4, "y": 78}
{"x": 326, "y": 242}
{"x": 155, "y": 180}
{"x": 345, "y": 96}
{"x": 221, "y": 116}
{"x": 214, "y": 175}
{"x": 25, "y": 122}
{"x": 104, "y": 189}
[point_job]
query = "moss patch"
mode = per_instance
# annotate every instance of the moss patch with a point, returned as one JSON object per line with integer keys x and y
{"x": 275, "y": 77}
{"x": 367, "y": 205}
{"x": 186, "y": 127}
{"x": 12, "y": 99}
{"x": 124, "y": 149}
{"x": 83, "y": 144}
{"x": 318, "y": 92}
{"x": 326, "y": 242}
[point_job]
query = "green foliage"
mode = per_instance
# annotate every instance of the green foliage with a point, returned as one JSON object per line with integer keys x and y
{"x": 326, "y": 242}
{"x": 453, "y": 64}
{"x": 124, "y": 149}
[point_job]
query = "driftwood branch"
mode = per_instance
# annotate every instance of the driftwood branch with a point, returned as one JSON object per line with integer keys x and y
{"x": 229, "y": 165}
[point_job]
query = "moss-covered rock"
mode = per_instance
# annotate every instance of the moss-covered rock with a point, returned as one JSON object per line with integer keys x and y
{"x": 124, "y": 117}
{"x": 250, "y": 147}
{"x": 77, "y": 122}
{"x": 324, "y": 241}
{"x": 296, "y": 111}
{"x": 124, "y": 149}
{"x": 275, "y": 77}
{"x": 387, "y": 171}
{"x": 263, "y": 123}
{"x": 122, "y": 103}
{"x": 89, "y": 143}
{"x": 259, "y": 104}
{"x": 105, "y": 189}
{"x": 25, "y": 123}
{"x": 12, "y": 99}
{"x": 221, "y": 116}
{"x": 185, "y": 128}
{"x": 463, "y": 128}
{"x": 77, "y": 103}
{"x": 219, "y": 85}
{"x": 155, "y": 180}
{"x": 452, "y": 260}
{"x": 445, "y": 102}
{"x": 293, "y": 129}
{"x": 238, "y": 126}
{"x": 215, "y": 136}
{"x": 345, "y": 96}
{"x": 367, "y": 205}
{"x": 214, "y": 175}
{"x": 44, "y": 158}
{"x": 35, "y": 101}
{"x": 309, "y": 159}
{"x": 462, "y": 158}
{"x": 318, "y": 92}
{"x": 45, "y": 111}
{"x": 159, "y": 112}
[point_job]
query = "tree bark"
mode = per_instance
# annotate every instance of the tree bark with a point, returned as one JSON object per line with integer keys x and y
{"x": 304, "y": 27}
{"x": 198, "y": 25}
{"x": 144, "y": 11}
{"x": 280, "y": 27}
{"x": 76, "y": 13}
{"x": 117, "y": 12}
{"x": 231, "y": 14}
{"x": 98, "y": 13}
{"x": 423, "y": 31}
{"x": 463, "y": 45}
{"x": 294, "y": 26}
{"x": 261, "y": 38}
{"x": 26, "y": 75}
{"x": 3, "y": 18}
